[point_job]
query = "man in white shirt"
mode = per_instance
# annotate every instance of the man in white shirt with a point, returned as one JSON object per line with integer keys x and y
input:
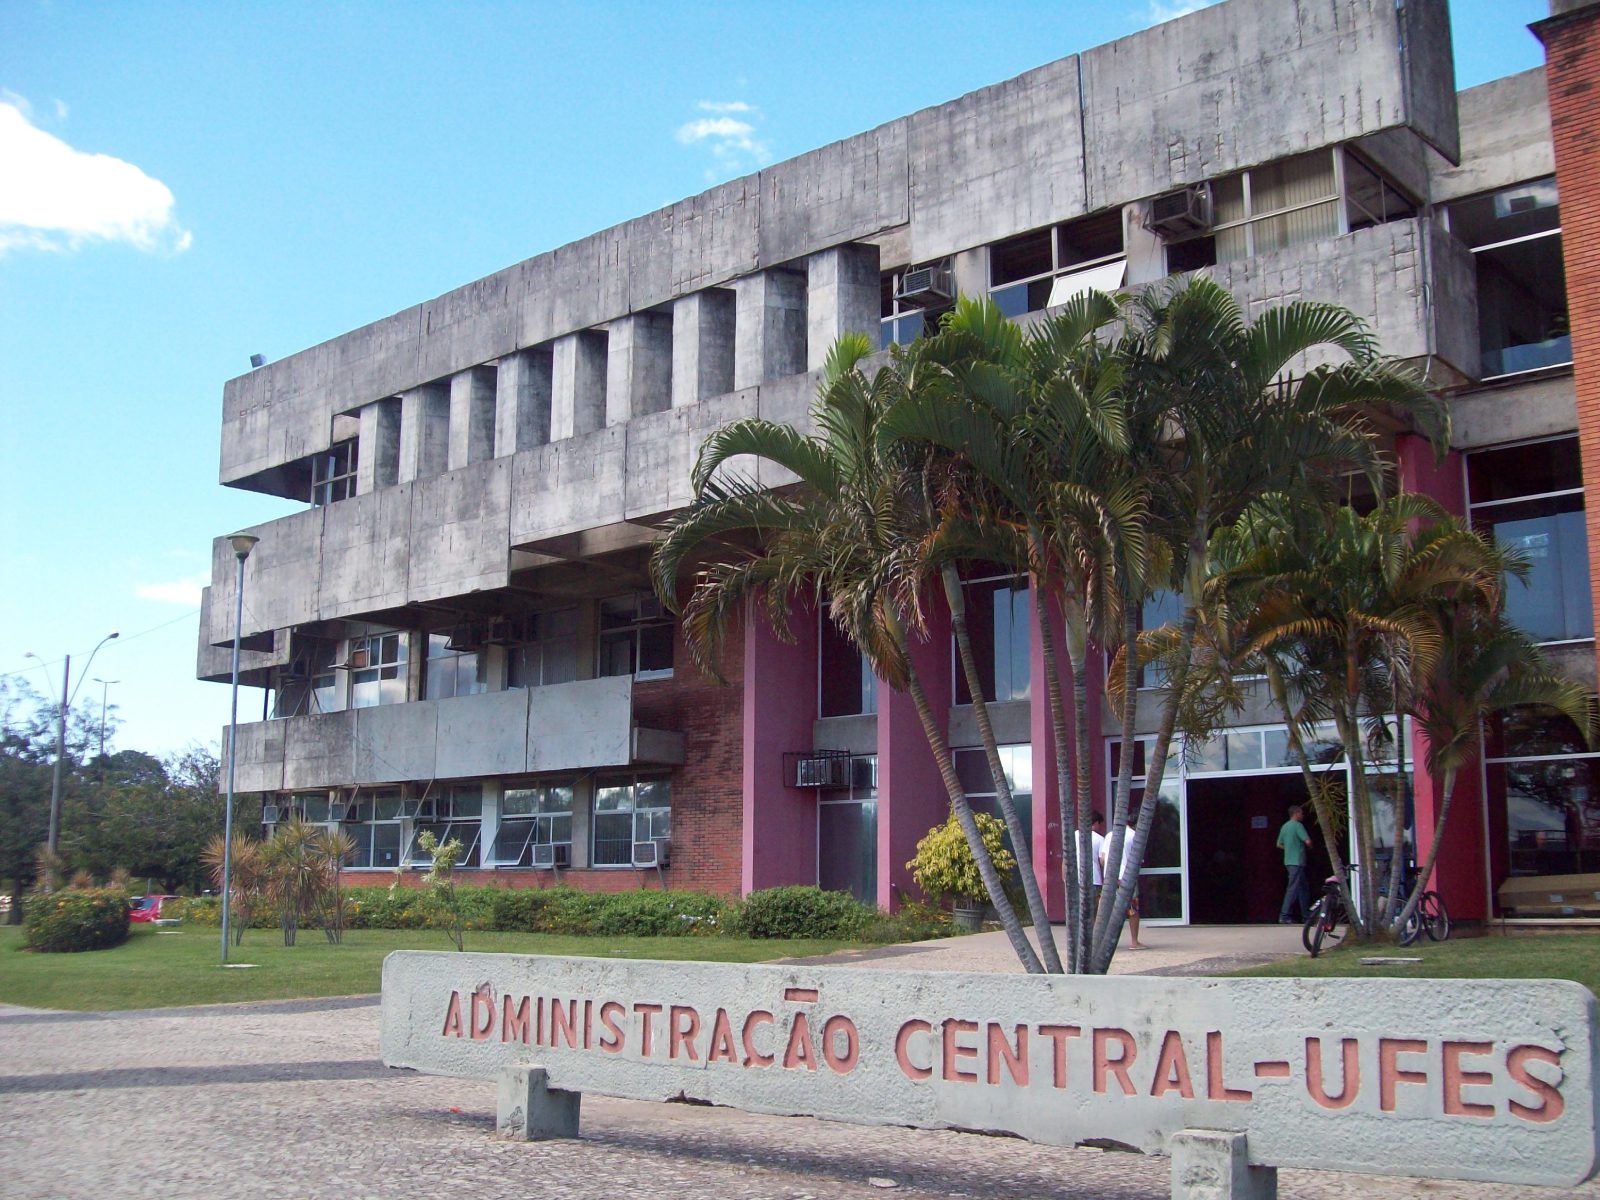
{"x": 1128, "y": 869}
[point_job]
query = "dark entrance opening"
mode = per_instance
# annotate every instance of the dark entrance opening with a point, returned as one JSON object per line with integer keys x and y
{"x": 1236, "y": 873}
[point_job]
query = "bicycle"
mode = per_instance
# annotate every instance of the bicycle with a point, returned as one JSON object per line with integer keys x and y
{"x": 1328, "y": 921}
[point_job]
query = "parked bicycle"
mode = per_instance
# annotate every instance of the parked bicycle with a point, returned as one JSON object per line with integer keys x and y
{"x": 1328, "y": 922}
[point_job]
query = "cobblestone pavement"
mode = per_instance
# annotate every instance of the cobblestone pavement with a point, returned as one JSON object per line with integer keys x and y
{"x": 261, "y": 1101}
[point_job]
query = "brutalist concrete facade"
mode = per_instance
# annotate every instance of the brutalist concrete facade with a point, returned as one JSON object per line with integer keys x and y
{"x": 507, "y": 451}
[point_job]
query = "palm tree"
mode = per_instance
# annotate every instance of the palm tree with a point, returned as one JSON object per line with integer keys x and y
{"x": 850, "y": 531}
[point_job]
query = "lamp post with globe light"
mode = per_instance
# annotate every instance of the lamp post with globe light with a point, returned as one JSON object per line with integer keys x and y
{"x": 242, "y": 544}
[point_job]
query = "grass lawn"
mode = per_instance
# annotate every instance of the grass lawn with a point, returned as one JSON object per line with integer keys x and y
{"x": 156, "y": 968}
{"x": 1546, "y": 956}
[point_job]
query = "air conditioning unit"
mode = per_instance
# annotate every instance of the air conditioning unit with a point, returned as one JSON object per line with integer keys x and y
{"x": 501, "y": 631}
{"x": 657, "y": 852}
{"x": 465, "y": 638}
{"x": 926, "y": 287}
{"x": 544, "y": 857}
{"x": 818, "y": 769}
{"x": 1183, "y": 213}
{"x": 337, "y": 810}
{"x": 269, "y": 814}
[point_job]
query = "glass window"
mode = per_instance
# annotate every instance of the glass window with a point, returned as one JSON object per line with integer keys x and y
{"x": 534, "y": 816}
{"x": 1530, "y": 497}
{"x": 1160, "y": 608}
{"x": 847, "y": 834}
{"x": 1515, "y": 237}
{"x": 635, "y": 637}
{"x": 458, "y": 672}
{"x": 373, "y": 823}
{"x": 628, "y": 811}
{"x": 1552, "y": 814}
{"x": 452, "y": 812}
{"x": 998, "y": 625}
{"x": 1016, "y": 760}
{"x": 901, "y": 323}
{"x": 550, "y": 655}
{"x": 846, "y": 686}
{"x": 333, "y": 474}
{"x": 1023, "y": 270}
{"x": 378, "y": 670}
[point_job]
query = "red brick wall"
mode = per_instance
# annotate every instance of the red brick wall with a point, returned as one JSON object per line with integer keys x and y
{"x": 1572, "y": 67}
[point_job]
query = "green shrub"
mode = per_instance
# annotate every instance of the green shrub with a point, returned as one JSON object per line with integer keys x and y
{"x": 661, "y": 914}
{"x": 207, "y": 910}
{"x": 914, "y": 922}
{"x": 801, "y": 912}
{"x": 945, "y": 868}
{"x": 71, "y": 920}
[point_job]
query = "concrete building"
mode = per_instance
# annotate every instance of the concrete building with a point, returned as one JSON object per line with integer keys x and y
{"x": 458, "y": 633}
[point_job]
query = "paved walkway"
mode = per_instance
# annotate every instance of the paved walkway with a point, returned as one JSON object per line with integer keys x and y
{"x": 288, "y": 1100}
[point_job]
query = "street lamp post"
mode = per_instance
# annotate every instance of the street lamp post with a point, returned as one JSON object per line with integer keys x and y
{"x": 61, "y": 742}
{"x": 105, "y": 688}
{"x": 242, "y": 543}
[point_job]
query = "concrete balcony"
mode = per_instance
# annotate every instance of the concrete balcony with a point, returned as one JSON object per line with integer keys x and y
{"x": 564, "y": 727}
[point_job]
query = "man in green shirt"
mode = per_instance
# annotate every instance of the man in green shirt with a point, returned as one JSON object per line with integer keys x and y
{"x": 1293, "y": 840}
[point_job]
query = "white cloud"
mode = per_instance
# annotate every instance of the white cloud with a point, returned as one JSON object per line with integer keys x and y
{"x": 734, "y": 141}
{"x": 183, "y": 592}
{"x": 55, "y": 197}
{"x": 1167, "y": 10}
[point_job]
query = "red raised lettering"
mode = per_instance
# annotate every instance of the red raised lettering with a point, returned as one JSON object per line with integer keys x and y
{"x": 1350, "y": 1083}
{"x": 1105, "y": 1066}
{"x": 801, "y": 1051}
{"x": 646, "y": 1031}
{"x": 516, "y": 1025}
{"x": 1172, "y": 1068}
{"x": 1001, "y": 1051}
{"x": 836, "y": 1027}
{"x": 722, "y": 1048}
{"x": 609, "y": 1012}
{"x": 1389, "y": 1072}
{"x": 564, "y": 1023}
{"x": 1456, "y": 1078}
{"x": 901, "y": 1049}
{"x": 482, "y": 1007}
{"x": 1216, "y": 1086}
{"x": 1517, "y": 1067}
{"x": 752, "y": 1056}
{"x": 588, "y": 1023}
{"x": 950, "y": 1028}
{"x": 1059, "y": 1034}
{"x": 683, "y": 1024}
{"x": 452, "y": 1017}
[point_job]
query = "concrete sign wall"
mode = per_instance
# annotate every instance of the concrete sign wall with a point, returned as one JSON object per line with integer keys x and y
{"x": 1490, "y": 1080}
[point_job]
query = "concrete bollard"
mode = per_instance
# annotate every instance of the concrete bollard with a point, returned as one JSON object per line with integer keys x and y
{"x": 529, "y": 1110}
{"x": 1209, "y": 1165}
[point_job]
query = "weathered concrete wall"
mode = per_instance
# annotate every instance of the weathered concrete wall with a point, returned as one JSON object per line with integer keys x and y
{"x": 1532, "y": 409}
{"x": 1243, "y": 83}
{"x": 1482, "y": 1079}
{"x": 1505, "y": 138}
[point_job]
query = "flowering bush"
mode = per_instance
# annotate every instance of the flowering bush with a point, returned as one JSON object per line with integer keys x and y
{"x": 944, "y": 865}
{"x": 71, "y": 920}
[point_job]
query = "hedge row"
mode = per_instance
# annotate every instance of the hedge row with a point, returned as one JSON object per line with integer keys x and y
{"x": 75, "y": 919}
{"x": 787, "y": 912}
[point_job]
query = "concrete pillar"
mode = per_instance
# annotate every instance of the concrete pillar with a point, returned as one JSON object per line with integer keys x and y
{"x": 1462, "y": 872}
{"x": 702, "y": 345}
{"x": 528, "y": 1109}
{"x": 911, "y": 795}
{"x": 970, "y": 271}
{"x": 841, "y": 297}
{"x": 780, "y": 707}
{"x": 770, "y": 327}
{"x": 578, "y": 384}
{"x": 522, "y": 401}
{"x": 424, "y": 432}
{"x": 1212, "y": 1165}
{"x": 378, "y": 445}
{"x": 638, "y": 366}
{"x": 1147, "y": 253}
{"x": 472, "y": 416}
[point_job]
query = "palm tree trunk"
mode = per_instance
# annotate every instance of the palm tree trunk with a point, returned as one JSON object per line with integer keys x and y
{"x": 1072, "y": 781}
{"x": 955, "y": 596}
{"x": 1113, "y": 896}
{"x": 958, "y": 803}
{"x": 1327, "y": 820}
{"x": 1361, "y": 816}
{"x": 1424, "y": 873}
{"x": 1082, "y": 772}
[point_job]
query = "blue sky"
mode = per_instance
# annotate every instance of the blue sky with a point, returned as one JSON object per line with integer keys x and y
{"x": 185, "y": 184}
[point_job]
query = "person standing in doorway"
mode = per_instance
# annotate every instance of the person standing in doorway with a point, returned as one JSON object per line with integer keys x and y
{"x": 1293, "y": 840}
{"x": 1128, "y": 868}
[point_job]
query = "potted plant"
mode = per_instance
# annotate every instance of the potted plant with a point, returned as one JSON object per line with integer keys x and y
{"x": 944, "y": 868}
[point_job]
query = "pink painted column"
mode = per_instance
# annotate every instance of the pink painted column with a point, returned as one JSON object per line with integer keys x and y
{"x": 1463, "y": 859}
{"x": 911, "y": 796}
{"x": 780, "y": 704}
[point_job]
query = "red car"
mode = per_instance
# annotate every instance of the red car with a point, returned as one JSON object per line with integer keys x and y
{"x": 147, "y": 908}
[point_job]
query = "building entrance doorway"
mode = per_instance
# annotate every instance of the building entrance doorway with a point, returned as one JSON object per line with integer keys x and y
{"x": 1236, "y": 873}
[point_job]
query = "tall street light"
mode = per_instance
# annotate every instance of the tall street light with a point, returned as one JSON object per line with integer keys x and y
{"x": 242, "y": 543}
{"x": 61, "y": 737}
{"x": 105, "y": 687}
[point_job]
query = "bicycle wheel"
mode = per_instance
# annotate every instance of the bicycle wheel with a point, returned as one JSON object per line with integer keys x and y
{"x": 1313, "y": 920}
{"x": 1435, "y": 916}
{"x": 1322, "y": 926}
{"x": 1408, "y": 933}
